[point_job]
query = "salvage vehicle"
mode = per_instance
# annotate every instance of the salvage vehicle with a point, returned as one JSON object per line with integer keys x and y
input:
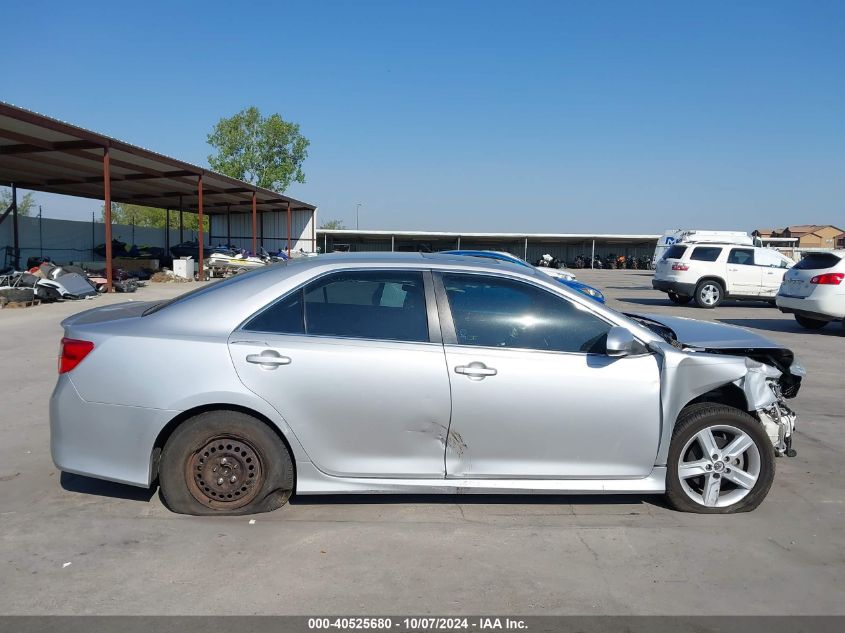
{"x": 416, "y": 373}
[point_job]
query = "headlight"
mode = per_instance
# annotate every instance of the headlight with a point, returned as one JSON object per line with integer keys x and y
{"x": 797, "y": 369}
{"x": 591, "y": 292}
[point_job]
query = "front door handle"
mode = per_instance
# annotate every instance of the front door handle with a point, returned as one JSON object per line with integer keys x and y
{"x": 268, "y": 359}
{"x": 475, "y": 371}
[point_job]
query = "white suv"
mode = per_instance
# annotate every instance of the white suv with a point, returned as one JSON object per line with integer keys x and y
{"x": 711, "y": 273}
{"x": 814, "y": 290}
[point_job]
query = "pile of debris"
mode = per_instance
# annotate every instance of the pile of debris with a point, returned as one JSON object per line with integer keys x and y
{"x": 165, "y": 275}
{"x": 46, "y": 282}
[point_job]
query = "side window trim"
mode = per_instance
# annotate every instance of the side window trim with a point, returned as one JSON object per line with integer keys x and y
{"x": 434, "y": 327}
{"x": 447, "y": 323}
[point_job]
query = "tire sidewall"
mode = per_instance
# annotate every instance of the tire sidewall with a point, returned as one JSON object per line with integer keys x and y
{"x": 700, "y": 287}
{"x": 195, "y": 432}
{"x": 698, "y": 418}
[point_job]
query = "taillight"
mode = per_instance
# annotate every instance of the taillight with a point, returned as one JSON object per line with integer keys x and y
{"x": 828, "y": 279}
{"x": 72, "y": 353}
{"x": 680, "y": 267}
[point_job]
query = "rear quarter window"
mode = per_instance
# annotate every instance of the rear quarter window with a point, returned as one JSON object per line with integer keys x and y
{"x": 675, "y": 252}
{"x": 818, "y": 261}
{"x": 706, "y": 253}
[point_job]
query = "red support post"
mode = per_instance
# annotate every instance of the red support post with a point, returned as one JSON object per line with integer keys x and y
{"x": 289, "y": 228}
{"x": 107, "y": 215}
{"x": 254, "y": 225}
{"x": 201, "y": 233}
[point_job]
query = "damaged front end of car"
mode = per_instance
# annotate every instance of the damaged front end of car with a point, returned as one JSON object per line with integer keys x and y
{"x": 766, "y": 388}
{"x": 714, "y": 362}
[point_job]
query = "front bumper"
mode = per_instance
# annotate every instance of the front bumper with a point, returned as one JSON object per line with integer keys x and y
{"x": 679, "y": 288}
{"x": 105, "y": 441}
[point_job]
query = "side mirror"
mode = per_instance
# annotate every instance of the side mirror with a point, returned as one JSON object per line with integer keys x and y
{"x": 620, "y": 342}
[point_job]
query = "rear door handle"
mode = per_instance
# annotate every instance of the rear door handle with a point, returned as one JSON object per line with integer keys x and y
{"x": 268, "y": 359}
{"x": 475, "y": 371}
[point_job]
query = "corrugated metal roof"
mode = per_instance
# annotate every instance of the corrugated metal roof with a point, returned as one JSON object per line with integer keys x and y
{"x": 492, "y": 236}
{"x": 44, "y": 154}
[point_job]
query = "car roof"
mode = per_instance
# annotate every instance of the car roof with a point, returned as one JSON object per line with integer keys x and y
{"x": 227, "y": 298}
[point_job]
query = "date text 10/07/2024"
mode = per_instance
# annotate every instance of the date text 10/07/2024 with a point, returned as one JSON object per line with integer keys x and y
{"x": 418, "y": 624}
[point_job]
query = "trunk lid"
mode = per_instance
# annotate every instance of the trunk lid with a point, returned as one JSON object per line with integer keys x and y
{"x": 102, "y": 314}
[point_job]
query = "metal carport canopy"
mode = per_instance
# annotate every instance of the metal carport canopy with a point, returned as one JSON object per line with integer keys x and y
{"x": 44, "y": 154}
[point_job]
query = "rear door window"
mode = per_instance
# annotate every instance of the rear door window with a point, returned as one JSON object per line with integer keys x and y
{"x": 675, "y": 251}
{"x": 367, "y": 304}
{"x": 356, "y": 304}
{"x": 706, "y": 253}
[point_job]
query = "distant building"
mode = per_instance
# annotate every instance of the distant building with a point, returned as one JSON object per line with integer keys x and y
{"x": 807, "y": 235}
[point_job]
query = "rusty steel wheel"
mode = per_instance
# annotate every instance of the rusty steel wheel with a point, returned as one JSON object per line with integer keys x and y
{"x": 226, "y": 473}
{"x": 225, "y": 462}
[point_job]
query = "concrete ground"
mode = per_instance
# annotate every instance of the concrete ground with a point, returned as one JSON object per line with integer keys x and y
{"x": 72, "y": 545}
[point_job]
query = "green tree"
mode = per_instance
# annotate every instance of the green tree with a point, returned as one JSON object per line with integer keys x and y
{"x": 26, "y": 203}
{"x": 333, "y": 225}
{"x": 150, "y": 217}
{"x": 264, "y": 151}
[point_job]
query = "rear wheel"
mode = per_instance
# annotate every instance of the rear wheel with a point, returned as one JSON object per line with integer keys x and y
{"x": 720, "y": 461}
{"x": 709, "y": 293}
{"x": 679, "y": 299}
{"x": 810, "y": 324}
{"x": 225, "y": 462}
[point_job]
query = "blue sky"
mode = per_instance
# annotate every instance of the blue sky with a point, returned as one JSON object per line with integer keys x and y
{"x": 473, "y": 116}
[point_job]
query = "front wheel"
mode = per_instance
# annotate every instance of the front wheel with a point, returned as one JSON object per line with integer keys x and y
{"x": 810, "y": 324}
{"x": 679, "y": 299}
{"x": 720, "y": 461}
{"x": 225, "y": 462}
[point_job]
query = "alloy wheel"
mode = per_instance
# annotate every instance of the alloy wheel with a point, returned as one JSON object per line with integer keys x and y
{"x": 719, "y": 466}
{"x": 710, "y": 294}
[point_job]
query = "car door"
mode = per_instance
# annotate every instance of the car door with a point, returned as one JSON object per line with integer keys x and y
{"x": 533, "y": 393}
{"x": 772, "y": 266}
{"x": 354, "y": 364}
{"x": 744, "y": 276}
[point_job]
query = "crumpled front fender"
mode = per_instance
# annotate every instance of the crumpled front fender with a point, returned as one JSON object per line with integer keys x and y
{"x": 685, "y": 376}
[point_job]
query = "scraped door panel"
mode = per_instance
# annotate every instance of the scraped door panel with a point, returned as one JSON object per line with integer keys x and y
{"x": 552, "y": 415}
{"x": 359, "y": 408}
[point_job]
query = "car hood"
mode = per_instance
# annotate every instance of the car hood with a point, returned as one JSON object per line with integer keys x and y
{"x": 709, "y": 335}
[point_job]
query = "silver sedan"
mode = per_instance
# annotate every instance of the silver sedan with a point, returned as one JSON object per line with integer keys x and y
{"x": 382, "y": 373}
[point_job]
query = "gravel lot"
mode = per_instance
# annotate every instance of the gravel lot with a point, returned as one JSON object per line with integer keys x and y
{"x": 71, "y": 545}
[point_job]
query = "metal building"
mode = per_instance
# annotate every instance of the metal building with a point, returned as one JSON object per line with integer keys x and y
{"x": 530, "y": 246}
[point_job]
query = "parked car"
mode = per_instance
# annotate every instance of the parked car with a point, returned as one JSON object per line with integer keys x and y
{"x": 710, "y": 273}
{"x": 814, "y": 291}
{"x": 365, "y": 373}
{"x": 564, "y": 277}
